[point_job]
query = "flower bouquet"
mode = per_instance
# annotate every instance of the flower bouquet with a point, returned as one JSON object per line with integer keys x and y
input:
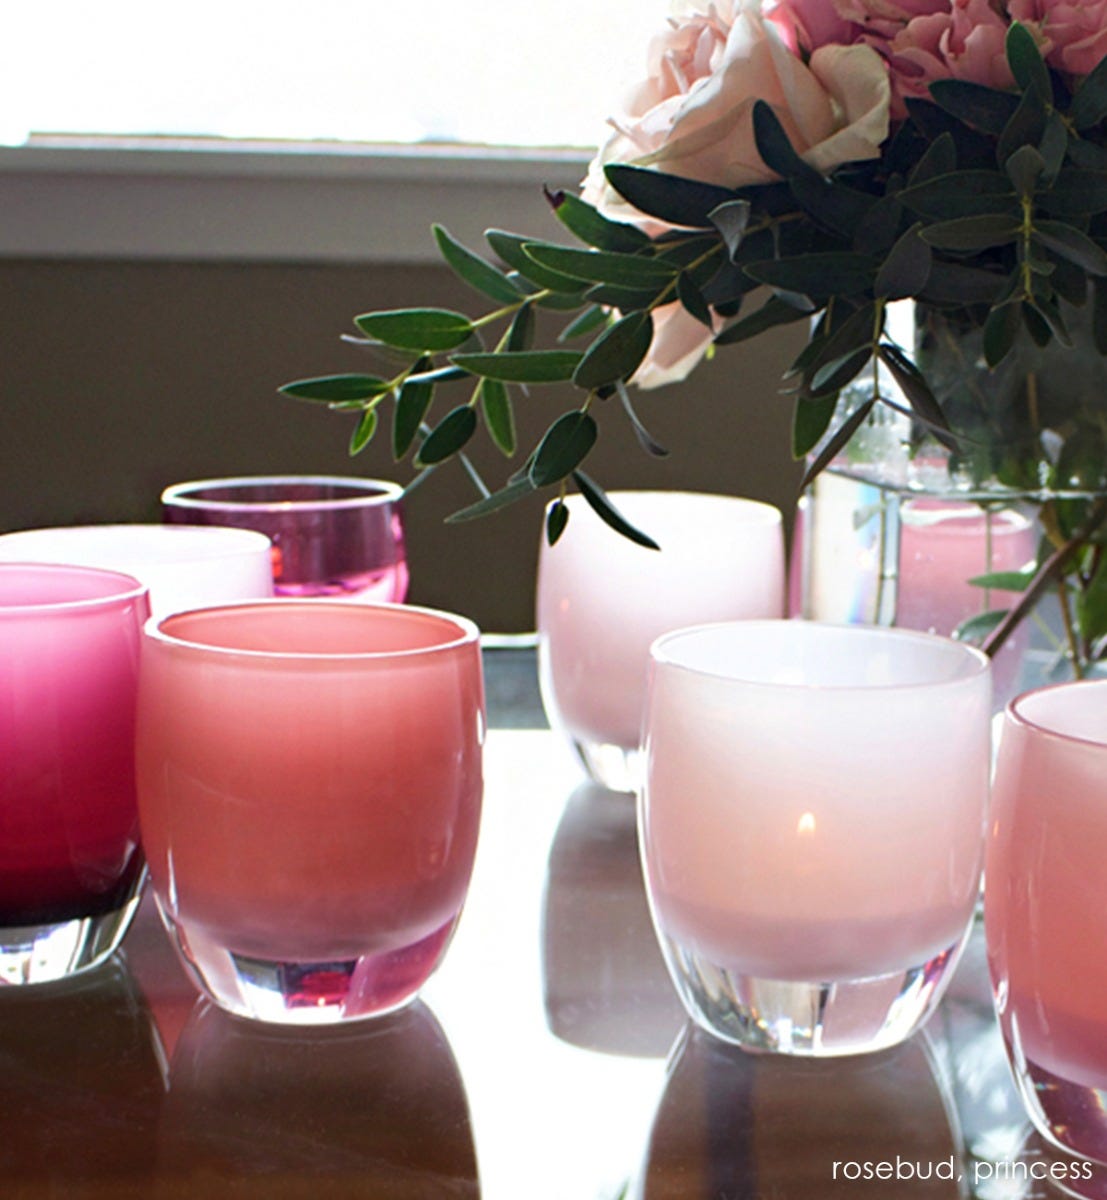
{"x": 811, "y": 161}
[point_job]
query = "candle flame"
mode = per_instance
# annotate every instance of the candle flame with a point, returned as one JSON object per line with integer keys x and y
{"x": 806, "y": 824}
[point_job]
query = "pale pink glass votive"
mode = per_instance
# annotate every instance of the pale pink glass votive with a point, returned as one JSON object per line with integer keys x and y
{"x": 184, "y": 566}
{"x": 70, "y": 865}
{"x": 1045, "y": 909}
{"x": 309, "y": 777}
{"x": 332, "y": 536}
{"x": 602, "y": 600}
{"x": 812, "y": 826}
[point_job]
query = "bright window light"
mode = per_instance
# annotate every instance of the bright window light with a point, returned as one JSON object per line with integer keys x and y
{"x": 516, "y": 73}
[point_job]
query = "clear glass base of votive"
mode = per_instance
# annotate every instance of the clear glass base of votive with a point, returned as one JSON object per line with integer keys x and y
{"x": 51, "y": 950}
{"x": 308, "y": 992}
{"x": 615, "y": 767}
{"x": 814, "y": 1020}
{"x": 1069, "y": 1115}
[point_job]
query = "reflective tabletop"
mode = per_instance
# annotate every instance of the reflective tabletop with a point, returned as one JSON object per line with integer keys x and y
{"x": 548, "y": 1058}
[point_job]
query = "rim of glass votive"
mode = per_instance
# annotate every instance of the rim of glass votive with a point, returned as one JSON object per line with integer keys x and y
{"x": 1017, "y": 715}
{"x": 371, "y": 493}
{"x": 768, "y": 514}
{"x": 128, "y": 587}
{"x": 154, "y": 536}
{"x": 466, "y": 630}
{"x": 976, "y": 661}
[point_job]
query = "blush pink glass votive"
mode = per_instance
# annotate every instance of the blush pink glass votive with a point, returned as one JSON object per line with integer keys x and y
{"x": 332, "y": 536}
{"x": 309, "y": 778}
{"x": 601, "y": 601}
{"x": 70, "y": 865}
{"x": 1045, "y": 909}
{"x": 812, "y": 826}
{"x": 184, "y": 566}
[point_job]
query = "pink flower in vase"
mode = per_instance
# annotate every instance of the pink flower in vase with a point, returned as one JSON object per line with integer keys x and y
{"x": 1072, "y": 33}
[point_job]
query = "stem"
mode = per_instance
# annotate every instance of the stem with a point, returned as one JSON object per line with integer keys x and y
{"x": 1070, "y": 628}
{"x": 1052, "y": 569}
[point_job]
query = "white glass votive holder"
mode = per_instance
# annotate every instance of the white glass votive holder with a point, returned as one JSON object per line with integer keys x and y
{"x": 602, "y": 599}
{"x": 812, "y": 826}
{"x": 183, "y": 566}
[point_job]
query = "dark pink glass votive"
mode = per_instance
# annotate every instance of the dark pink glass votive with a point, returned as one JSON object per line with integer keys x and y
{"x": 332, "y": 536}
{"x": 70, "y": 864}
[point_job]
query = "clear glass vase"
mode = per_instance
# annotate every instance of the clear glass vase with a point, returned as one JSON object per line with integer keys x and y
{"x": 897, "y": 527}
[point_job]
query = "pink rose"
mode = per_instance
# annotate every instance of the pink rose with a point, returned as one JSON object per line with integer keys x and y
{"x": 1073, "y": 34}
{"x": 679, "y": 342}
{"x": 809, "y": 24}
{"x": 965, "y": 42}
{"x": 693, "y": 117}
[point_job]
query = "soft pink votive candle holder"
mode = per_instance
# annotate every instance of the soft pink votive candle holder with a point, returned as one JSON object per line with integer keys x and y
{"x": 1045, "y": 909}
{"x": 309, "y": 778}
{"x": 812, "y": 826}
{"x": 70, "y": 865}
{"x": 601, "y": 601}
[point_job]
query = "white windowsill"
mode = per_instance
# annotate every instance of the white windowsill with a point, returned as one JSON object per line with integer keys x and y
{"x": 206, "y": 201}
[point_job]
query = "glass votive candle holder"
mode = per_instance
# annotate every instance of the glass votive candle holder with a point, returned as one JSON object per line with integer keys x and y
{"x": 183, "y": 566}
{"x": 70, "y": 866}
{"x": 332, "y": 536}
{"x": 812, "y": 826}
{"x": 309, "y": 777}
{"x": 1045, "y": 909}
{"x": 601, "y": 601}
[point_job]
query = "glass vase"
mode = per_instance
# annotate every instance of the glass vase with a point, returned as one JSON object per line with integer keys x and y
{"x": 901, "y": 530}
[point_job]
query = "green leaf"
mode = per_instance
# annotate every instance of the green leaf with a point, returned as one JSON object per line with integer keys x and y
{"x": 1091, "y": 605}
{"x": 1026, "y": 63}
{"x": 448, "y": 436}
{"x": 515, "y": 490}
{"x": 690, "y": 296}
{"x": 977, "y": 628}
{"x": 772, "y": 313}
{"x": 1070, "y": 243}
{"x": 953, "y": 283}
{"x": 1024, "y": 168}
{"x": 961, "y": 194}
{"x": 774, "y": 146}
{"x": 616, "y": 353}
{"x": 681, "y": 202}
{"x": 973, "y": 233}
{"x": 556, "y": 520}
{"x": 601, "y": 266}
{"x": 832, "y": 376}
{"x": 1026, "y": 127}
{"x": 332, "y": 389}
{"x": 1076, "y": 192}
{"x": 1099, "y": 315}
{"x": 588, "y": 322}
{"x": 838, "y": 441}
{"x": 474, "y": 270}
{"x": 810, "y": 420}
{"x": 592, "y": 227}
{"x": 1005, "y": 581}
{"x": 730, "y": 220}
{"x": 521, "y": 366}
{"x": 563, "y": 448}
{"x": 417, "y": 328}
{"x": 830, "y": 273}
{"x": 1054, "y": 145}
{"x": 520, "y": 334}
{"x": 509, "y": 246}
{"x": 1089, "y": 105}
{"x": 641, "y": 433}
{"x": 1000, "y": 331}
{"x": 499, "y": 418}
{"x": 411, "y": 408}
{"x": 601, "y": 505}
{"x": 978, "y": 106}
{"x": 939, "y": 158}
{"x": 906, "y": 269}
{"x": 363, "y": 431}
{"x": 624, "y": 299}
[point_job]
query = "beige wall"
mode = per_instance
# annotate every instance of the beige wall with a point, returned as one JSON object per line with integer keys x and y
{"x": 119, "y": 378}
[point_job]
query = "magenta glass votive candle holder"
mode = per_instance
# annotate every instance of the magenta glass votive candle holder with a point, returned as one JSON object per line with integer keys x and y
{"x": 1045, "y": 909}
{"x": 332, "y": 536}
{"x": 309, "y": 777}
{"x": 70, "y": 865}
{"x": 812, "y": 826}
